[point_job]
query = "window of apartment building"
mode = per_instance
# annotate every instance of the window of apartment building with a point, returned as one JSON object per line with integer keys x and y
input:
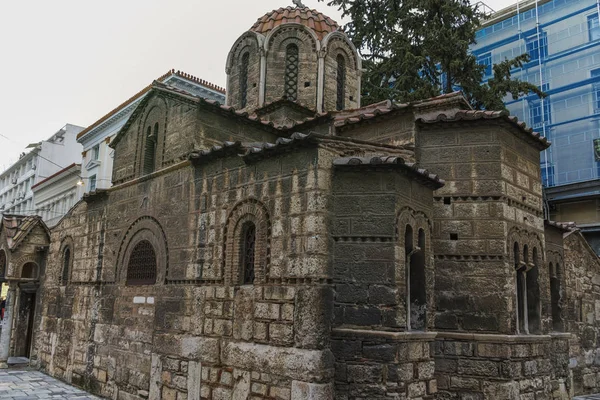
{"x": 539, "y": 113}
{"x": 595, "y": 73}
{"x": 593, "y": 27}
{"x": 92, "y": 183}
{"x": 96, "y": 152}
{"x": 486, "y": 59}
{"x": 547, "y": 175}
{"x": 537, "y": 46}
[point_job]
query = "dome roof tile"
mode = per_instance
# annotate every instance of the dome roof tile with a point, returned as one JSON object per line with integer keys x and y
{"x": 313, "y": 19}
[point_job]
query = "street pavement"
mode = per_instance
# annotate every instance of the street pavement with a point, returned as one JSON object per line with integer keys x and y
{"x": 21, "y": 384}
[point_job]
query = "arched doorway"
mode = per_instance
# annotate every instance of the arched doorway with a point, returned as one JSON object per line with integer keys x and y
{"x": 25, "y": 307}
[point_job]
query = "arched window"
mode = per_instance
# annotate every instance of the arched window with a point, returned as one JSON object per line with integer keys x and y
{"x": 244, "y": 80}
{"x": 416, "y": 283}
{"x": 521, "y": 292}
{"x": 555, "y": 275}
{"x": 150, "y": 150}
{"x": 533, "y": 296}
{"x": 141, "y": 269}
{"x": 66, "y": 265}
{"x": 291, "y": 72}
{"x": 341, "y": 82}
{"x": 247, "y": 252}
{"x": 2, "y": 264}
{"x": 30, "y": 271}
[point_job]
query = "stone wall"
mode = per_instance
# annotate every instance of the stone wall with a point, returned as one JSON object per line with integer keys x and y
{"x": 582, "y": 312}
{"x": 269, "y": 339}
{"x": 374, "y": 209}
{"x": 183, "y": 126}
{"x": 501, "y": 367}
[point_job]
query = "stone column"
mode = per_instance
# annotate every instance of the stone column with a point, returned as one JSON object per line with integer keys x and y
{"x": 6, "y": 324}
{"x": 262, "y": 83}
{"x": 321, "y": 79}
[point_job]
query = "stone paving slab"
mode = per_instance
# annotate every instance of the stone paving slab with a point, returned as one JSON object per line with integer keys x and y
{"x": 17, "y": 384}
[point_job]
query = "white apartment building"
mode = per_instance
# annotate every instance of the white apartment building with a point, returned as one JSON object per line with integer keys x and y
{"x": 55, "y": 195}
{"x": 43, "y": 160}
{"x": 97, "y": 160}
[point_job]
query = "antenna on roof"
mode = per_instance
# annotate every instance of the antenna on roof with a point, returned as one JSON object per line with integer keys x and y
{"x": 298, "y": 3}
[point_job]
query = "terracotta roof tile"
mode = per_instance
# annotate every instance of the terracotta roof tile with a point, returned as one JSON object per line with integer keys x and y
{"x": 392, "y": 161}
{"x": 321, "y": 24}
{"x": 473, "y": 115}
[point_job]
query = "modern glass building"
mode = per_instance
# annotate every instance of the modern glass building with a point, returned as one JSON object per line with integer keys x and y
{"x": 562, "y": 38}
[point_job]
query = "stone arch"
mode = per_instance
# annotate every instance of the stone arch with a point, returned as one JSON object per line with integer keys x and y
{"x": 338, "y": 40}
{"x": 30, "y": 270}
{"x": 152, "y": 134}
{"x": 244, "y": 213}
{"x": 338, "y": 45}
{"x": 66, "y": 261}
{"x": 250, "y": 43}
{"x": 276, "y": 44}
{"x": 144, "y": 229}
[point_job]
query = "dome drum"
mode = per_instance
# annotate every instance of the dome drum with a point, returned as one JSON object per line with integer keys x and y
{"x": 298, "y": 54}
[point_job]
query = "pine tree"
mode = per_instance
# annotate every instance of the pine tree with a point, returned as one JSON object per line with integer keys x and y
{"x": 415, "y": 49}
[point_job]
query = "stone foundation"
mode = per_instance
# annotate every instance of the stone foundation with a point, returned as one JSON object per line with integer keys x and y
{"x": 502, "y": 367}
{"x": 383, "y": 365}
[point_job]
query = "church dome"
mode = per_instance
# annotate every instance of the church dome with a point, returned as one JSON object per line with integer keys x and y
{"x": 313, "y": 19}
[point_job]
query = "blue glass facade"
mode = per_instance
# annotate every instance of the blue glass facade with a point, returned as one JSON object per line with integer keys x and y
{"x": 562, "y": 38}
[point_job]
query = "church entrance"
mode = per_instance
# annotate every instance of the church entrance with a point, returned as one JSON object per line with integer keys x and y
{"x": 24, "y": 322}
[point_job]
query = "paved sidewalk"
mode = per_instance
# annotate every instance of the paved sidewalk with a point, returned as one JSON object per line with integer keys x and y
{"x": 18, "y": 384}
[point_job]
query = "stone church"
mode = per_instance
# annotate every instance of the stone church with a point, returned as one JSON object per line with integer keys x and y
{"x": 294, "y": 244}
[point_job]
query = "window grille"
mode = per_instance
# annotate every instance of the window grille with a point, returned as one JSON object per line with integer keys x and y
{"x": 341, "y": 82}
{"x": 66, "y": 265}
{"x": 141, "y": 269}
{"x": 291, "y": 72}
{"x": 247, "y": 252}
{"x": 244, "y": 80}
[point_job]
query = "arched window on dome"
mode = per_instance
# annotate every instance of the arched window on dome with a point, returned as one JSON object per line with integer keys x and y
{"x": 341, "y": 82}
{"x": 244, "y": 80}
{"x": 291, "y": 72}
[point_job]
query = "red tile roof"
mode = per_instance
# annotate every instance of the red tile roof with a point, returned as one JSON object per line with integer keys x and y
{"x": 313, "y": 19}
{"x": 139, "y": 94}
{"x": 473, "y": 115}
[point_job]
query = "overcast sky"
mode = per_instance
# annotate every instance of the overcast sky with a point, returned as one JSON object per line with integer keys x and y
{"x": 72, "y": 61}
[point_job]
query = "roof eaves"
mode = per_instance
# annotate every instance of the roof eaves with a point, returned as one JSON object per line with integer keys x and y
{"x": 281, "y": 145}
{"x": 473, "y": 115}
{"x": 423, "y": 175}
{"x": 198, "y": 157}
